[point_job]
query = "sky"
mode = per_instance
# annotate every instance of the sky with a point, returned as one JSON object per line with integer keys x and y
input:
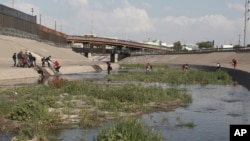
{"x": 187, "y": 21}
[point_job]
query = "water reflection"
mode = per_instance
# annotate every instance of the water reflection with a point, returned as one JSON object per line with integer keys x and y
{"x": 209, "y": 111}
{"x": 78, "y": 76}
{"x": 212, "y": 111}
{"x": 43, "y": 80}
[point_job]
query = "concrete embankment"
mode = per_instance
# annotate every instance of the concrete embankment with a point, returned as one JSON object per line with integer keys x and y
{"x": 70, "y": 61}
{"x": 239, "y": 76}
{"x": 203, "y": 61}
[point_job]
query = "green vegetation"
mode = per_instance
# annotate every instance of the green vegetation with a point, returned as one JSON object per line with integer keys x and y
{"x": 128, "y": 130}
{"x": 205, "y": 45}
{"x": 41, "y": 108}
{"x": 165, "y": 74}
{"x": 180, "y": 123}
{"x": 64, "y": 104}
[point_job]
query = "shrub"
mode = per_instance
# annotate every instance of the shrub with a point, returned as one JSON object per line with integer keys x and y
{"x": 28, "y": 110}
{"x": 58, "y": 82}
{"x": 128, "y": 130}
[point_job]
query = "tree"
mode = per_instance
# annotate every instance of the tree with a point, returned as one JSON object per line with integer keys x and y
{"x": 177, "y": 46}
{"x": 237, "y": 47}
{"x": 204, "y": 45}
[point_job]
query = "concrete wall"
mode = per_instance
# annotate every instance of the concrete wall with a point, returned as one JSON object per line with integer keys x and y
{"x": 16, "y": 14}
{"x": 239, "y": 76}
{"x": 13, "y": 19}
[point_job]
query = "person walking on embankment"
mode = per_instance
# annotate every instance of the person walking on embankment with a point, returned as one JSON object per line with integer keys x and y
{"x": 234, "y": 63}
{"x": 14, "y": 59}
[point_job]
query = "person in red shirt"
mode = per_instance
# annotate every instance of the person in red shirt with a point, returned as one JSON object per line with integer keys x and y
{"x": 234, "y": 63}
{"x": 57, "y": 66}
{"x": 148, "y": 68}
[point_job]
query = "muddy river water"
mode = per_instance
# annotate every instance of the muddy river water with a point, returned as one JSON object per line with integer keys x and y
{"x": 213, "y": 110}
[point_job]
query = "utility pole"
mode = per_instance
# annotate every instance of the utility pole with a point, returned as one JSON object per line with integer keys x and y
{"x": 55, "y": 25}
{"x": 239, "y": 39}
{"x": 32, "y": 11}
{"x": 40, "y": 19}
{"x": 245, "y": 23}
{"x": 12, "y": 3}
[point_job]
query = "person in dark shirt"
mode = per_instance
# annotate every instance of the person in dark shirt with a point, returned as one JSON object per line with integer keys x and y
{"x": 14, "y": 59}
{"x": 43, "y": 62}
{"x": 48, "y": 60}
{"x": 109, "y": 68}
{"x": 20, "y": 59}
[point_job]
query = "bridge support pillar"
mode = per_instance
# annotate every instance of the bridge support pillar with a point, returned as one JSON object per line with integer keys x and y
{"x": 114, "y": 57}
{"x": 88, "y": 55}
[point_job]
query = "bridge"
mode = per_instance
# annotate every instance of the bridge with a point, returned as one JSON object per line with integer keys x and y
{"x": 106, "y": 45}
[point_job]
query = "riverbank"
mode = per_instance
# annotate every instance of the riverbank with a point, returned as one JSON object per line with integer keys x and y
{"x": 86, "y": 103}
{"x": 207, "y": 62}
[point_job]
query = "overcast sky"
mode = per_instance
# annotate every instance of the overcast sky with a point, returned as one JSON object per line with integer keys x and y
{"x": 188, "y": 21}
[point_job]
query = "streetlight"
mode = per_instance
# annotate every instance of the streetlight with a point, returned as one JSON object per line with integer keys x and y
{"x": 245, "y": 23}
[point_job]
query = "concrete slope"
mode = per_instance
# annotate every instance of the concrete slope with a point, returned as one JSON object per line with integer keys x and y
{"x": 65, "y": 56}
{"x": 70, "y": 61}
{"x": 206, "y": 59}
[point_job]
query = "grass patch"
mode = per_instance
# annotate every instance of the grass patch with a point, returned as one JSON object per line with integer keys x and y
{"x": 180, "y": 123}
{"x": 41, "y": 108}
{"x": 46, "y": 104}
{"x": 165, "y": 74}
{"x": 128, "y": 130}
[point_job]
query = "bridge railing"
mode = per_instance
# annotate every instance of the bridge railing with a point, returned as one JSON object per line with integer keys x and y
{"x": 116, "y": 42}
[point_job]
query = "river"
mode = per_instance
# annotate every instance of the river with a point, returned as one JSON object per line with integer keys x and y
{"x": 213, "y": 110}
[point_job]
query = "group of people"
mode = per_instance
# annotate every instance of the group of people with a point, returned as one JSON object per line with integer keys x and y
{"x": 185, "y": 66}
{"x": 28, "y": 60}
{"x": 47, "y": 60}
{"x": 25, "y": 59}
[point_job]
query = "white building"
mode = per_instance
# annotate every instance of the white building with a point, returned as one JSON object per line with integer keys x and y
{"x": 158, "y": 43}
{"x": 227, "y": 46}
{"x": 190, "y": 47}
